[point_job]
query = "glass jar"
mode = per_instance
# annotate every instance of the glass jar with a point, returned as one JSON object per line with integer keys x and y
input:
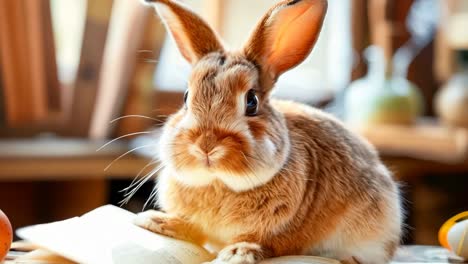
{"x": 451, "y": 102}
{"x": 455, "y": 22}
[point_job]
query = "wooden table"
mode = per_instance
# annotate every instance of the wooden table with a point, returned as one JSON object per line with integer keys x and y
{"x": 406, "y": 254}
{"x": 59, "y": 178}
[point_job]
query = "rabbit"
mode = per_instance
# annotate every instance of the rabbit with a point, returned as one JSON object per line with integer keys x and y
{"x": 252, "y": 177}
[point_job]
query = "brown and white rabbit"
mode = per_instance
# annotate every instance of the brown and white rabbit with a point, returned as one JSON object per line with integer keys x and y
{"x": 256, "y": 177}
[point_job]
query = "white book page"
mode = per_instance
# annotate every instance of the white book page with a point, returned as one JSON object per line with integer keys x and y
{"x": 300, "y": 260}
{"x": 106, "y": 235}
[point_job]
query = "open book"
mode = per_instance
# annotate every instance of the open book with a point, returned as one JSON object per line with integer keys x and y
{"x": 107, "y": 235}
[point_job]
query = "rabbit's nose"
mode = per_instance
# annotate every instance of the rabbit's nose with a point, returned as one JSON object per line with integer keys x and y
{"x": 201, "y": 155}
{"x": 206, "y": 149}
{"x": 207, "y": 142}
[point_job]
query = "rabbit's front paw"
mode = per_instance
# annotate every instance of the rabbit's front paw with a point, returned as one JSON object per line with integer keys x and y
{"x": 168, "y": 225}
{"x": 158, "y": 222}
{"x": 240, "y": 253}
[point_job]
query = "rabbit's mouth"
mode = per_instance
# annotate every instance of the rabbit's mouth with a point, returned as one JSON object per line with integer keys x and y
{"x": 208, "y": 158}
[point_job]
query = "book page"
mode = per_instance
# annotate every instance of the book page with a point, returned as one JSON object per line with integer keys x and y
{"x": 300, "y": 260}
{"x": 107, "y": 235}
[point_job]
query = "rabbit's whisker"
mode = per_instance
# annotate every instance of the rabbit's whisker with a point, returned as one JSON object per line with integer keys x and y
{"x": 139, "y": 116}
{"x": 126, "y": 153}
{"x": 136, "y": 180}
{"x": 145, "y": 179}
{"x": 151, "y": 198}
{"x": 124, "y": 136}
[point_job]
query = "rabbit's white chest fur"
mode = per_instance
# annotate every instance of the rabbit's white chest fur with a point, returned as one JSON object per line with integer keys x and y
{"x": 212, "y": 212}
{"x": 218, "y": 232}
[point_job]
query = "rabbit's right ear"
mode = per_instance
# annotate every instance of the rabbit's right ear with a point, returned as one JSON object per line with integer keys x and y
{"x": 286, "y": 35}
{"x": 193, "y": 36}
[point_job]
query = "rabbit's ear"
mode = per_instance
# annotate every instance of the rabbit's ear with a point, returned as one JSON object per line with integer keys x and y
{"x": 286, "y": 35}
{"x": 194, "y": 37}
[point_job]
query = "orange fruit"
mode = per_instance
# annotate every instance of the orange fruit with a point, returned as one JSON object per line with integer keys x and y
{"x": 6, "y": 235}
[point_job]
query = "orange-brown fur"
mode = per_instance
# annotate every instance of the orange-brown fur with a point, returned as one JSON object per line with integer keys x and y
{"x": 330, "y": 194}
{"x": 272, "y": 206}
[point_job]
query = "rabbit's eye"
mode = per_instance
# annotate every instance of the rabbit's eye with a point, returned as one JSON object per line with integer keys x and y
{"x": 251, "y": 103}
{"x": 185, "y": 96}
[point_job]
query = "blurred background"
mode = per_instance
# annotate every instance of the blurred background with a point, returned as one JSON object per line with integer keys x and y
{"x": 76, "y": 74}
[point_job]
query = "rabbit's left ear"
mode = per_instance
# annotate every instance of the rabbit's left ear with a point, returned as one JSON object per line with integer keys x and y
{"x": 193, "y": 36}
{"x": 286, "y": 35}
